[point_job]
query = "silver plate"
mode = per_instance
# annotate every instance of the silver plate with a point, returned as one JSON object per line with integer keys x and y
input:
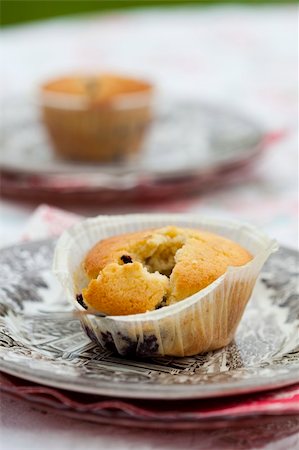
{"x": 56, "y": 352}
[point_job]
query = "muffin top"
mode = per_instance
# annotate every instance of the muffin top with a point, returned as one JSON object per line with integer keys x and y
{"x": 99, "y": 88}
{"x": 146, "y": 270}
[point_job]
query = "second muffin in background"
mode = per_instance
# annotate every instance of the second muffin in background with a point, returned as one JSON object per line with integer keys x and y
{"x": 96, "y": 118}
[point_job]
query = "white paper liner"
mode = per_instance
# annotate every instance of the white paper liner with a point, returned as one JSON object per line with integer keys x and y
{"x": 205, "y": 321}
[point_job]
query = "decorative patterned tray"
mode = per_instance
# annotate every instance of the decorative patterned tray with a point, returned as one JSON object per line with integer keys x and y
{"x": 55, "y": 351}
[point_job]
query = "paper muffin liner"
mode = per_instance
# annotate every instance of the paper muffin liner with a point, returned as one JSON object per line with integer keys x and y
{"x": 99, "y": 134}
{"x": 202, "y": 322}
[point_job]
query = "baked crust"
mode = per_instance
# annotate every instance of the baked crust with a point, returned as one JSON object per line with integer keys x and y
{"x": 98, "y": 89}
{"x": 141, "y": 271}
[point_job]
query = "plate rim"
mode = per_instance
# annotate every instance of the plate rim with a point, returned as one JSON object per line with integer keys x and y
{"x": 162, "y": 392}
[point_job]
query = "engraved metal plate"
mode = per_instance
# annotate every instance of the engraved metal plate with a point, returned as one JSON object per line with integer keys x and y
{"x": 39, "y": 345}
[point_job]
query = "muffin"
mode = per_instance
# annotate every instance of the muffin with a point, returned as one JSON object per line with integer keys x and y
{"x": 96, "y": 118}
{"x": 138, "y": 272}
{"x": 170, "y": 284}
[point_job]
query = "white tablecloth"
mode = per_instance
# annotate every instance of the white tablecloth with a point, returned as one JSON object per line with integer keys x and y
{"x": 243, "y": 57}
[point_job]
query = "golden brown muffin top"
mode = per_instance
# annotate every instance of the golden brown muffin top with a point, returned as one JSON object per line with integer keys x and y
{"x": 99, "y": 88}
{"x": 165, "y": 265}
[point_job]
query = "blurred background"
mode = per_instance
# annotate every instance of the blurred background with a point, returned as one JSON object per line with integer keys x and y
{"x": 125, "y": 106}
{"x": 16, "y": 11}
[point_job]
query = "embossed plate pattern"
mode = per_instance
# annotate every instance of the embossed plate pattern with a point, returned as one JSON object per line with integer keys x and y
{"x": 54, "y": 351}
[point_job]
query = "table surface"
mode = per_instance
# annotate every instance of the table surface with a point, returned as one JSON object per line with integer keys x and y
{"x": 242, "y": 57}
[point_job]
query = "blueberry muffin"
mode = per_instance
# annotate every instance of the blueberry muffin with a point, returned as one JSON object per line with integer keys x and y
{"x": 174, "y": 284}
